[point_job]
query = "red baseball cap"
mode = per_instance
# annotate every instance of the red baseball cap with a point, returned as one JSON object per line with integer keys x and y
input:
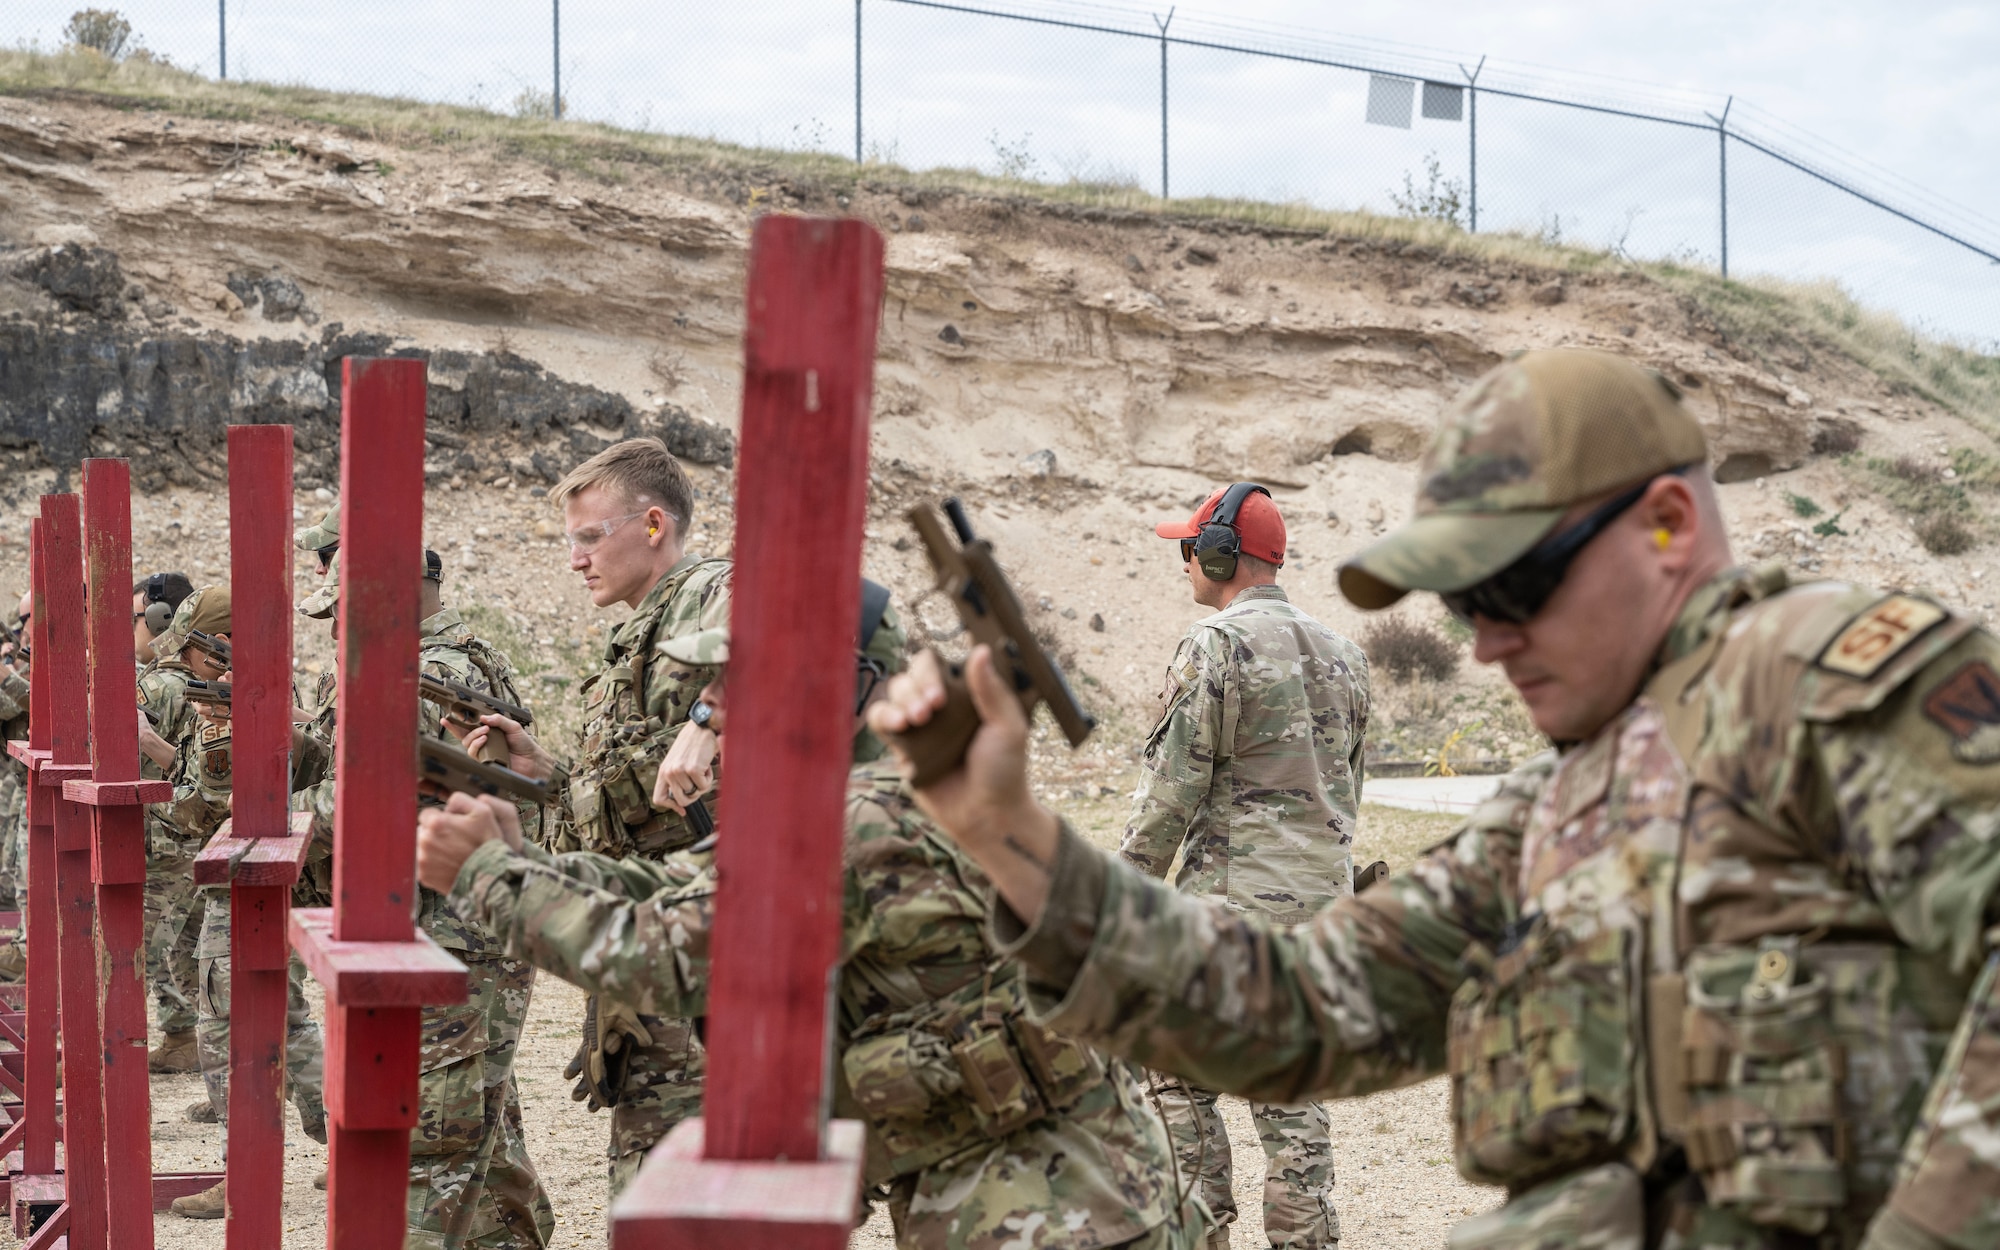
{"x": 1260, "y": 528}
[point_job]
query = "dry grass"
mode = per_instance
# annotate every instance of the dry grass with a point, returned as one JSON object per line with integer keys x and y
{"x": 1758, "y": 312}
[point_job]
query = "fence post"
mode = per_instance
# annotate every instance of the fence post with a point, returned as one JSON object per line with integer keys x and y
{"x": 377, "y": 969}
{"x": 760, "y": 1167}
{"x": 222, "y": 39}
{"x": 1472, "y": 132}
{"x": 1163, "y": 99}
{"x": 36, "y": 1191}
{"x": 1722, "y": 141}
{"x": 857, "y": 82}
{"x": 555, "y": 101}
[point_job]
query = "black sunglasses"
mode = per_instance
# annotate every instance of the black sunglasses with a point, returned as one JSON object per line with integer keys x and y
{"x": 1518, "y": 592}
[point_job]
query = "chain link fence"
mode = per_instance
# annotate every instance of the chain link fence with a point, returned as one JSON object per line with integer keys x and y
{"x": 1161, "y": 102}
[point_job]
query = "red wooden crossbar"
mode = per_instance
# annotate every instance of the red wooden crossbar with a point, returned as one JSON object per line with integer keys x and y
{"x": 114, "y": 795}
{"x": 259, "y": 852}
{"x": 36, "y": 1132}
{"x": 373, "y": 998}
{"x": 759, "y": 1168}
{"x": 64, "y": 667}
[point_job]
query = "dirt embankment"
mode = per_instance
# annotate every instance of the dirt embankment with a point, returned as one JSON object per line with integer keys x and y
{"x": 1075, "y": 374}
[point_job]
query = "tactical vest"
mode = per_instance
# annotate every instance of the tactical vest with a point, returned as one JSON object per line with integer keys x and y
{"x": 1599, "y": 1038}
{"x": 610, "y": 788}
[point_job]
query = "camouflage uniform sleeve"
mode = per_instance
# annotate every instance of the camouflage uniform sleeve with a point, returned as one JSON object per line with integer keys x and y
{"x": 1913, "y": 773}
{"x": 650, "y": 951}
{"x": 1354, "y": 1002}
{"x": 1179, "y": 762}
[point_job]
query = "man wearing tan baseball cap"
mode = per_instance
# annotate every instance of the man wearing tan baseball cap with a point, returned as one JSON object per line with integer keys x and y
{"x": 1694, "y": 975}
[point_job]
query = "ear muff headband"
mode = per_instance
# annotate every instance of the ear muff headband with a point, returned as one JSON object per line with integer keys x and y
{"x": 1218, "y": 544}
{"x": 159, "y": 615}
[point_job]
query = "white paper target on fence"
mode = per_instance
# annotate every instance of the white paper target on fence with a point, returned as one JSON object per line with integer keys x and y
{"x": 1444, "y": 101}
{"x": 1391, "y": 101}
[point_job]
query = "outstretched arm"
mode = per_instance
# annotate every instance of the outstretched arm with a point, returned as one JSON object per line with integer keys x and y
{"x": 650, "y": 952}
{"x": 1355, "y": 1001}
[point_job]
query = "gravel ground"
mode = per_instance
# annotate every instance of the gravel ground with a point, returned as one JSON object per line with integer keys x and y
{"x": 1392, "y": 1151}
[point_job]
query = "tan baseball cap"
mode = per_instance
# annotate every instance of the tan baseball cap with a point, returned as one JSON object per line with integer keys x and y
{"x": 320, "y": 536}
{"x": 319, "y": 605}
{"x": 1533, "y": 437}
{"x": 207, "y": 610}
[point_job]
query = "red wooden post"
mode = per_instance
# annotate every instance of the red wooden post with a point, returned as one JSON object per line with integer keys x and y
{"x": 64, "y": 668}
{"x": 37, "y": 1188}
{"x": 760, "y": 1169}
{"x": 113, "y": 796}
{"x": 377, "y": 969}
{"x": 257, "y": 854}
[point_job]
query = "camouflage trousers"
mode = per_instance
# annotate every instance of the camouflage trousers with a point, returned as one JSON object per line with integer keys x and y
{"x": 13, "y": 837}
{"x": 304, "y": 1061}
{"x": 662, "y": 1087}
{"x": 471, "y": 1181}
{"x": 173, "y": 935}
{"x": 1298, "y": 1162}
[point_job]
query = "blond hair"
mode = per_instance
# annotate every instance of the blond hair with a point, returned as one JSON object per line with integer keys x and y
{"x": 640, "y": 469}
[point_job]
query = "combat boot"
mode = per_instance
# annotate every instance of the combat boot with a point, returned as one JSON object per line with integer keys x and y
{"x": 175, "y": 1053}
{"x": 1217, "y": 1239}
{"x": 209, "y": 1204}
{"x": 203, "y": 1112}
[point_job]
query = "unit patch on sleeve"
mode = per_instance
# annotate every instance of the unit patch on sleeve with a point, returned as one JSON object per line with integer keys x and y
{"x": 1967, "y": 706}
{"x": 1873, "y": 638}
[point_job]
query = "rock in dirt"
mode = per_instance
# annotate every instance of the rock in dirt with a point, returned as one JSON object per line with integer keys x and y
{"x": 81, "y": 279}
{"x": 1548, "y": 294}
{"x": 1039, "y": 464}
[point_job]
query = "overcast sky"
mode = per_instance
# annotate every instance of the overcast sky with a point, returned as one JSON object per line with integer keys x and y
{"x": 1898, "y": 95}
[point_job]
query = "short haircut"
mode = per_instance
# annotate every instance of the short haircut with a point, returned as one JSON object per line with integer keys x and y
{"x": 643, "y": 471}
{"x": 167, "y": 588}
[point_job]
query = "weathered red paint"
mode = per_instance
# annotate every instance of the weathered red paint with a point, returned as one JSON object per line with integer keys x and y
{"x": 118, "y": 855}
{"x": 38, "y": 1065}
{"x": 63, "y": 667}
{"x": 376, "y": 968}
{"x": 814, "y": 293}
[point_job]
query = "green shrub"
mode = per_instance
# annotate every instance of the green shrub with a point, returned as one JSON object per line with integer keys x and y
{"x": 1945, "y": 535}
{"x": 1407, "y": 649}
{"x": 1802, "y": 506}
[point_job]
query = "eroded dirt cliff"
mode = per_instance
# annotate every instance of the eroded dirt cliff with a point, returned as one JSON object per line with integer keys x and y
{"x": 1075, "y": 374}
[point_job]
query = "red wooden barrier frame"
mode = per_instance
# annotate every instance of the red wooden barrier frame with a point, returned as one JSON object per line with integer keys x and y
{"x": 378, "y": 971}
{"x": 760, "y": 1169}
{"x": 113, "y": 796}
{"x": 35, "y": 1191}
{"x": 65, "y": 668}
{"x": 257, "y": 853}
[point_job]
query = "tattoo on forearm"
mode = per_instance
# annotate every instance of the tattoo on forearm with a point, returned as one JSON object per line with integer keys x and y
{"x": 1015, "y": 845}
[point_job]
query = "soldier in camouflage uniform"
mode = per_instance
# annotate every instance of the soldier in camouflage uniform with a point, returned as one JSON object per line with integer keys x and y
{"x": 13, "y": 813}
{"x": 627, "y": 511}
{"x": 1066, "y": 1155}
{"x": 1247, "y": 794}
{"x": 471, "y": 1181}
{"x": 201, "y": 772}
{"x": 1710, "y": 976}
{"x": 173, "y": 904}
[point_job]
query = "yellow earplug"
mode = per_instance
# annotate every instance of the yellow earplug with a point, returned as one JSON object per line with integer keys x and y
{"x": 1662, "y": 538}
{"x": 654, "y": 529}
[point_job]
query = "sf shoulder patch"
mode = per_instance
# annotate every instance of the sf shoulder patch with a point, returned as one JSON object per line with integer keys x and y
{"x": 1967, "y": 706}
{"x": 1879, "y": 634}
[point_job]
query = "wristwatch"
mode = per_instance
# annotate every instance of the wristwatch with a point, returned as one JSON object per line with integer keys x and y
{"x": 699, "y": 714}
